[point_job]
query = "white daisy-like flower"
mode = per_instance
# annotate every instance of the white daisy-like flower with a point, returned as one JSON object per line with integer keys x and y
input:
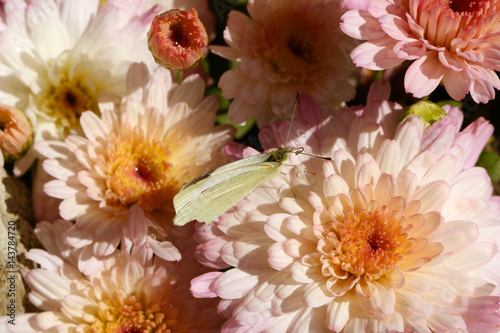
{"x": 125, "y": 293}
{"x": 119, "y": 180}
{"x": 285, "y": 46}
{"x": 56, "y": 57}
{"x": 398, "y": 233}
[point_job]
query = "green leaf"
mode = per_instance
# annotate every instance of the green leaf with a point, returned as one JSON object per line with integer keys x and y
{"x": 491, "y": 162}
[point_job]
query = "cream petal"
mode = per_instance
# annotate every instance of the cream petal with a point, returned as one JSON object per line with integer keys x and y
{"x": 338, "y": 314}
{"x": 389, "y": 157}
{"x": 59, "y": 189}
{"x": 473, "y": 257}
{"x": 386, "y": 188}
{"x": 165, "y": 250}
{"x": 432, "y": 196}
{"x": 316, "y": 295}
{"x": 332, "y": 186}
{"x": 457, "y": 235}
{"x": 48, "y": 33}
{"x": 74, "y": 207}
{"x": 368, "y": 173}
{"x": 234, "y": 283}
{"x": 277, "y": 257}
{"x": 48, "y": 284}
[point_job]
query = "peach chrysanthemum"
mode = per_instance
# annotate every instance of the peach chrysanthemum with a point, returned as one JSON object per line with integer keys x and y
{"x": 118, "y": 182}
{"x": 125, "y": 293}
{"x": 396, "y": 234}
{"x": 56, "y": 57}
{"x": 285, "y": 46}
{"x": 453, "y": 42}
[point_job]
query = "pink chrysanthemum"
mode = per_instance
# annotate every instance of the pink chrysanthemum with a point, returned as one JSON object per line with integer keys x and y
{"x": 126, "y": 293}
{"x": 56, "y": 57}
{"x": 285, "y": 46}
{"x": 118, "y": 182}
{"x": 396, "y": 234}
{"x": 453, "y": 42}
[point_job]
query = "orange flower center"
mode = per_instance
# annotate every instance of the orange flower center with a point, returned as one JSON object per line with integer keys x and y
{"x": 128, "y": 315}
{"x": 138, "y": 172}
{"x": 366, "y": 243}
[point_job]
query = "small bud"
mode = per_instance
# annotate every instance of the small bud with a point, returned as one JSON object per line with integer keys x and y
{"x": 16, "y": 132}
{"x": 177, "y": 39}
{"x": 430, "y": 112}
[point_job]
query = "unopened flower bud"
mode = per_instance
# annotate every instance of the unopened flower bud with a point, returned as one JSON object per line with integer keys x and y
{"x": 16, "y": 132}
{"x": 430, "y": 112}
{"x": 177, "y": 39}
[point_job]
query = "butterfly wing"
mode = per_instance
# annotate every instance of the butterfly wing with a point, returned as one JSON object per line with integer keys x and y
{"x": 212, "y": 196}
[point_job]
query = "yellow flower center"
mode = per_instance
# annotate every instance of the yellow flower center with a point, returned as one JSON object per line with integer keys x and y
{"x": 138, "y": 172}
{"x": 67, "y": 101}
{"x": 366, "y": 244}
{"x": 128, "y": 315}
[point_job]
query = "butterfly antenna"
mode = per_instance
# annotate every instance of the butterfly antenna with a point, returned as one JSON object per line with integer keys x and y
{"x": 293, "y": 115}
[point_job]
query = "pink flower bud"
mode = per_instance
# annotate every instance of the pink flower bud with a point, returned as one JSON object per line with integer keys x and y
{"x": 177, "y": 39}
{"x": 16, "y": 132}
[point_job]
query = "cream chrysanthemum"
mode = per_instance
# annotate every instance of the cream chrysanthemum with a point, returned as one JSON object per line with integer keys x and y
{"x": 56, "y": 57}
{"x": 118, "y": 182}
{"x": 285, "y": 46}
{"x": 396, "y": 234}
{"x": 125, "y": 293}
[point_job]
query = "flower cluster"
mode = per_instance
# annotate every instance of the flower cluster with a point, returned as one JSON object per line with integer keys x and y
{"x": 368, "y": 211}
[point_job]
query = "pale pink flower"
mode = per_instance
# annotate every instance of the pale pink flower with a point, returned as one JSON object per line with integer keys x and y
{"x": 118, "y": 182}
{"x": 56, "y": 57}
{"x": 177, "y": 39}
{"x": 125, "y": 293}
{"x": 285, "y": 46}
{"x": 450, "y": 42}
{"x": 16, "y": 133}
{"x": 396, "y": 234}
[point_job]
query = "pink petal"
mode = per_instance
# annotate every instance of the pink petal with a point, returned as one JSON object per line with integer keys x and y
{"x": 376, "y": 54}
{"x": 360, "y": 24}
{"x": 424, "y": 75}
{"x": 203, "y": 285}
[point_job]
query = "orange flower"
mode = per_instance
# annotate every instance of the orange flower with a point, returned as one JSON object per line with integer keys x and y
{"x": 177, "y": 39}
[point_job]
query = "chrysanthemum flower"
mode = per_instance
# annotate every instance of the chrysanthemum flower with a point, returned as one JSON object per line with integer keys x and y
{"x": 396, "y": 234}
{"x": 118, "y": 182}
{"x": 126, "y": 293}
{"x": 177, "y": 39}
{"x": 453, "y": 42}
{"x": 56, "y": 57}
{"x": 16, "y": 133}
{"x": 285, "y": 46}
